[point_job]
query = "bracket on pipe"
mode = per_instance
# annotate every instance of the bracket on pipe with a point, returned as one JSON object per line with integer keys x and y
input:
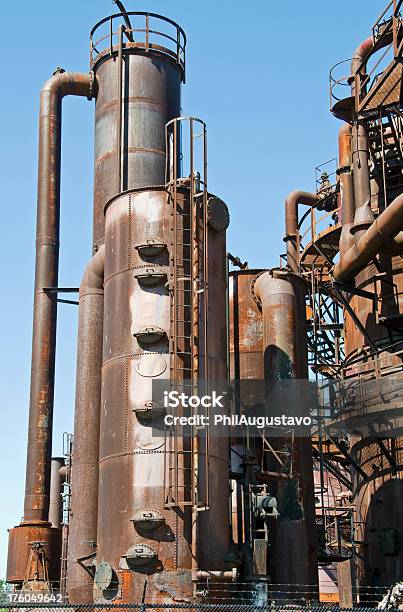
{"x": 90, "y": 569}
{"x": 349, "y": 458}
{"x": 333, "y": 470}
{"x": 385, "y": 451}
{"x": 340, "y": 298}
{"x": 56, "y": 290}
{"x": 360, "y": 292}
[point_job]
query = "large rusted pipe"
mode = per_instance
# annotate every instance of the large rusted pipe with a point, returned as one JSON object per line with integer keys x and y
{"x": 36, "y": 505}
{"x": 383, "y": 229}
{"x": 291, "y": 224}
{"x": 361, "y": 52}
{"x": 346, "y": 187}
{"x": 360, "y": 153}
{"x": 294, "y": 550}
{"x": 363, "y": 216}
{"x": 84, "y": 474}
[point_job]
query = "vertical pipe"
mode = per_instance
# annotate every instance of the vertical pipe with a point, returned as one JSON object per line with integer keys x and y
{"x": 291, "y": 224}
{"x": 35, "y": 524}
{"x": 84, "y": 473}
{"x": 119, "y": 68}
{"x": 56, "y": 491}
{"x": 363, "y": 216}
{"x": 346, "y": 188}
{"x": 36, "y": 505}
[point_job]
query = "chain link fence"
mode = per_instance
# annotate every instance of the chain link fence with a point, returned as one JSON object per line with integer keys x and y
{"x": 6, "y": 606}
{"x": 144, "y": 607}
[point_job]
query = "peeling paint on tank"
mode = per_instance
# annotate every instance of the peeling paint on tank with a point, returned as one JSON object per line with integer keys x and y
{"x": 149, "y": 209}
{"x": 253, "y": 333}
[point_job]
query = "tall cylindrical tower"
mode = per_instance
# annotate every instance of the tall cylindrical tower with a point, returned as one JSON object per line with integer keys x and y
{"x": 137, "y": 67}
{"x": 163, "y": 277}
{"x": 138, "y": 78}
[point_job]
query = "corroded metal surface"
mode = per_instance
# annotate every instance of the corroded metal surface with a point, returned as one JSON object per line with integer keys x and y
{"x": 150, "y": 97}
{"x": 378, "y": 502}
{"x": 245, "y": 328}
{"x": 131, "y": 458}
{"x": 36, "y": 504}
{"x": 37, "y": 488}
{"x": 84, "y": 477}
{"x": 127, "y": 445}
{"x": 19, "y": 550}
{"x": 245, "y": 363}
{"x": 293, "y": 560}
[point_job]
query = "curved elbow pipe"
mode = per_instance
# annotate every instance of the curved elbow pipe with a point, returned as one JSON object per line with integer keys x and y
{"x": 36, "y": 504}
{"x": 379, "y": 234}
{"x": 362, "y": 51}
{"x": 291, "y": 224}
{"x": 92, "y": 282}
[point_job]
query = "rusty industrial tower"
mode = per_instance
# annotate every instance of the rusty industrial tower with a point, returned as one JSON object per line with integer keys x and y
{"x": 135, "y": 514}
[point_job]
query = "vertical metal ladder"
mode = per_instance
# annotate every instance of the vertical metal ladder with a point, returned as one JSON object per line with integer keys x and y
{"x": 188, "y": 286}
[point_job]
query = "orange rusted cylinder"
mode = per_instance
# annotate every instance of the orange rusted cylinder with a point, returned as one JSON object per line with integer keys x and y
{"x": 294, "y": 552}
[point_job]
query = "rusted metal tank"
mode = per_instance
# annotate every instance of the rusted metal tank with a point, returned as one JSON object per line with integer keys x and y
{"x": 293, "y": 556}
{"x": 373, "y": 350}
{"x": 138, "y": 92}
{"x": 137, "y": 77}
{"x": 133, "y": 459}
{"x": 376, "y": 490}
{"x": 19, "y": 547}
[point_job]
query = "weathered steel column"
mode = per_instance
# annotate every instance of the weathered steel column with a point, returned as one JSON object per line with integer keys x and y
{"x": 293, "y": 559}
{"x": 35, "y": 525}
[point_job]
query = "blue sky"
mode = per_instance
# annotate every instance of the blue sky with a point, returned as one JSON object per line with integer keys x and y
{"x": 257, "y": 73}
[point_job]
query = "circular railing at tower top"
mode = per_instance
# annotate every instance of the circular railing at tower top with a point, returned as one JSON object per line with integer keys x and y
{"x": 146, "y": 31}
{"x": 339, "y": 84}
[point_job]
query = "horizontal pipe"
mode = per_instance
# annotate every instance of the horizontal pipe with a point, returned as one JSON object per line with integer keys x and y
{"x": 216, "y": 575}
{"x": 36, "y": 504}
{"x": 291, "y": 223}
{"x": 388, "y": 225}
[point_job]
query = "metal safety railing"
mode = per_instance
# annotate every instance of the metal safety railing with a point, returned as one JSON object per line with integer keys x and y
{"x": 145, "y": 31}
{"x": 387, "y": 39}
{"x": 339, "y": 86}
{"x": 324, "y": 215}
